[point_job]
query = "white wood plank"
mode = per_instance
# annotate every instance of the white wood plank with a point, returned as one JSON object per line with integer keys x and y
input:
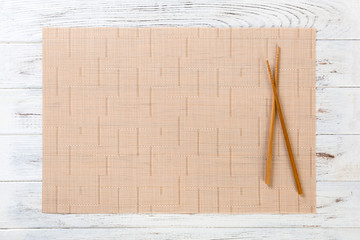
{"x": 22, "y": 20}
{"x": 183, "y": 233}
{"x": 20, "y": 66}
{"x": 337, "y": 158}
{"x": 337, "y": 111}
{"x": 337, "y": 206}
{"x": 20, "y": 158}
{"x": 337, "y": 63}
{"x": 20, "y": 111}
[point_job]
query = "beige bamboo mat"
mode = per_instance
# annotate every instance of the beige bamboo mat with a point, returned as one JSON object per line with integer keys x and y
{"x": 175, "y": 120}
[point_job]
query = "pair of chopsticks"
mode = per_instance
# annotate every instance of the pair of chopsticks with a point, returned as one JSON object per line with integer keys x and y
{"x": 276, "y": 105}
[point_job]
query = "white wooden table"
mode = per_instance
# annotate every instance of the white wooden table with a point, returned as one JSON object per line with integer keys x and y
{"x": 338, "y": 118}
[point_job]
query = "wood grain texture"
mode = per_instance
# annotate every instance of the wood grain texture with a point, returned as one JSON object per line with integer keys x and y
{"x": 21, "y": 112}
{"x": 338, "y": 158}
{"x": 334, "y": 19}
{"x": 183, "y": 233}
{"x": 20, "y": 158}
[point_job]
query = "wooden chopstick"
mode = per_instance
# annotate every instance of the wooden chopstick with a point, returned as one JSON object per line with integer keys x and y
{"x": 287, "y": 141}
{"x": 272, "y": 123}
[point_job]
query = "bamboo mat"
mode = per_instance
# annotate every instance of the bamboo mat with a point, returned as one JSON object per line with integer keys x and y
{"x": 175, "y": 120}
